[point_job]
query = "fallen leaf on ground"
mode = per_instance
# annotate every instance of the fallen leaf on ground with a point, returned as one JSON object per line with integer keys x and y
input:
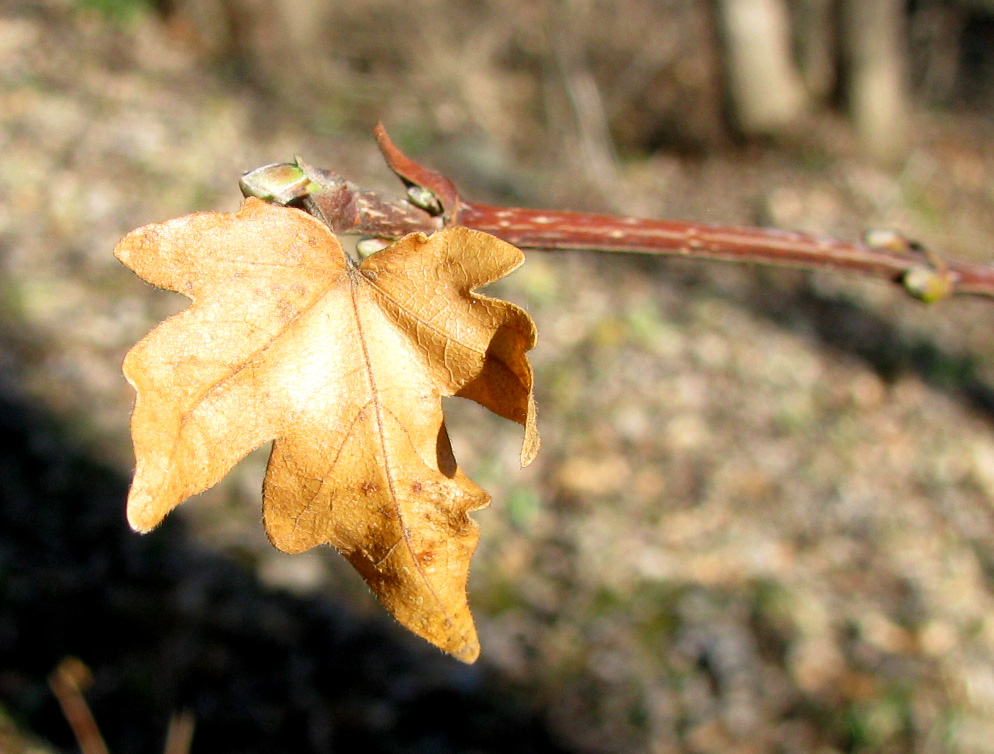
{"x": 343, "y": 366}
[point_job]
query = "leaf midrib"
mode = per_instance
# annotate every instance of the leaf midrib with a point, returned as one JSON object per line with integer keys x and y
{"x": 354, "y": 281}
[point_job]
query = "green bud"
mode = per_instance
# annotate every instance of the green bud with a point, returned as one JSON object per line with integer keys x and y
{"x": 926, "y": 284}
{"x": 366, "y": 247}
{"x": 887, "y": 239}
{"x": 279, "y": 183}
{"x": 424, "y": 198}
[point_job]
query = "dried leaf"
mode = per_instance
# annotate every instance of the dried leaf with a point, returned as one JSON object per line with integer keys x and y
{"x": 343, "y": 367}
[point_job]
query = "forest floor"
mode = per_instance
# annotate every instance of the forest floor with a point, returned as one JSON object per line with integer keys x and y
{"x": 761, "y": 519}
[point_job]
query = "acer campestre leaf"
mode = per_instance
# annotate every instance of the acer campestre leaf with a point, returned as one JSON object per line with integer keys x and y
{"x": 343, "y": 367}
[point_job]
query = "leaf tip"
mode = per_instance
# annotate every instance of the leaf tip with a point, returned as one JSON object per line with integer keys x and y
{"x": 531, "y": 443}
{"x": 141, "y": 517}
{"x": 469, "y": 652}
{"x": 529, "y": 450}
{"x": 124, "y": 248}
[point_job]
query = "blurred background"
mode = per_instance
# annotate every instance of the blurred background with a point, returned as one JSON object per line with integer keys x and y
{"x": 761, "y": 519}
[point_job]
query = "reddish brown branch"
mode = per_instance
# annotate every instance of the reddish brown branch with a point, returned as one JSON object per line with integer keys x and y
{"x": 553, "y": 230}
{"x": 432, "y": 202}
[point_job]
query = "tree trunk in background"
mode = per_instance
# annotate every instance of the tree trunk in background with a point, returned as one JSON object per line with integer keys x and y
{"x": 274, "y": 39}
{"x": 778, "y": 60}
{"x": 817, "y": 45}
{"x": 206, "y": 24}
{"x": 873, "y": 43}
{"x": 765, "y": 89}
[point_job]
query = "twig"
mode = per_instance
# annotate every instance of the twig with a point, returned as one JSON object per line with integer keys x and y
{"x": 179, "y": 735}
{"x": 433, "y": 202}
{"x": 66, "y": 682}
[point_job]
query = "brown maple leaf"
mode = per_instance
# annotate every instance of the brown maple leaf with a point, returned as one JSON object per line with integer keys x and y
{"x": 344, "y": 367}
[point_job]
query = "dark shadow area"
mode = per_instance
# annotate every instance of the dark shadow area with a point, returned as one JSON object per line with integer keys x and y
{"x": 165, "y": 625}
